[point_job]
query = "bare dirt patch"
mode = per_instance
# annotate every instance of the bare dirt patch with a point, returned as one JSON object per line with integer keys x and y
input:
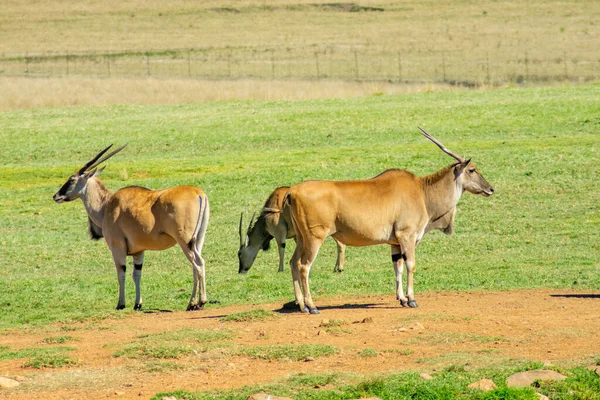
{"x": 372, "y": 334}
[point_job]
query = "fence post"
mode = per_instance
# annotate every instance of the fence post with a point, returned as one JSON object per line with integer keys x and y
{"x": 317, "y": 64}
{"x": 356, "y": 64}
{"x": 108, "y": 64}
{"x": 400, "y": 66}
{"x": 67, "y": 63}
{"x": 189, "y": 57}
{"x": 526, "y": 65}
{"x": 272, "y": 64}
{"x": 444, "y": 66}
{"x": 229, "y": 64}
{"x": 565, "y": 61}
{"x": 148, "y": 61}
{"x": 487, "y": 67}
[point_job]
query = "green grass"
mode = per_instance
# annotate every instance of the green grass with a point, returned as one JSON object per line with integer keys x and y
{"x": 368, "y": 352}
{"x": 50, "y": 361}
{"x": 250, "y": 316}
{"x": 447, "y": 384}
{"x": 49, "y": 357}
{"x": 539, "y": 147}
{"x": 175, "y": 344}
{"x": 57, "y": 339}
{"x": 291, "y": 352}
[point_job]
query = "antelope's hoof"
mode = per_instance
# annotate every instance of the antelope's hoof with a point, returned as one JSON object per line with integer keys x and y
{"x": 404, "y": 303}
{"x": 314, "y": 311}
{"x": 412, "y": 304}
{"x": 195, "y": 307}
{"x": 305, "y": 310}
{"x": 120, "y": 307}
{"x": 137, "y": 307}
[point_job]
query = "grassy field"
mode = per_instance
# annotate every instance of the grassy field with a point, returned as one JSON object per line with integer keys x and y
{"x": 539, "y": 147}
{"x": 84, "y": 52}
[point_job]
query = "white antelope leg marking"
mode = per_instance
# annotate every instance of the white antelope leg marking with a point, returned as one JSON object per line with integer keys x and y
{"x": 398, "y": 262}
{"x": 120, "y": 259}
{"x": 339, "y": 264}
{"x": 138, "y": 262}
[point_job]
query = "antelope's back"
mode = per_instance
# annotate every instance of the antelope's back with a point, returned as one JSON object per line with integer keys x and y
{"x": 363, "y": 212}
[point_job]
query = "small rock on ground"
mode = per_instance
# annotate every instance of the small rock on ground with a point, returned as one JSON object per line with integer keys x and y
{"x": 426, "y": 376}
{"x": 169, "y": 398}
{"x": 484, "y": 384}
{"x": 526, "y": 378}
{"x": 8, "y": 383}
{"x": 541, "y": 396}
{"x": 265, "y": 396}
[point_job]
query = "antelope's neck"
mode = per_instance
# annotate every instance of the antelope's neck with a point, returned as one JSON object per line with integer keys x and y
{"x": 95, "y": 196}
{"x": 442, "y": 192}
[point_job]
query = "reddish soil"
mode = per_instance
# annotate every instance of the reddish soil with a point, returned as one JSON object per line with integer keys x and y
{"x": 561, "y": 327}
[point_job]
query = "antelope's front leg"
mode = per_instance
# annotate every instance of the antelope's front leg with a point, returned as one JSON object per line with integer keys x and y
{"x": 138, "y": 261}
{"x": 120, "y": 259}
{"x": 410, "y": 272}
{"x": 398, "y": 261}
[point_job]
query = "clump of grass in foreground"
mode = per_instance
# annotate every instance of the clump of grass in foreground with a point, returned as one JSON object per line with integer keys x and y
{"x": 54, "y": 357}
{"x": 580, "y": 384}
{"x": 57, "y": 339}
{"x": 333, "y": 323}
{"x": 368, "y": 352}
{"x": 258, "y": 314}
{"x": 161, "y": 366}
{"x": 175, "y": 344}
{"x": 288, "y": 351}
{"x": 50, "y": 361}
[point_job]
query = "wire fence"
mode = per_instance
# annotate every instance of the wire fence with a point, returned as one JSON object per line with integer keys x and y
{"x": 332, "y": 62}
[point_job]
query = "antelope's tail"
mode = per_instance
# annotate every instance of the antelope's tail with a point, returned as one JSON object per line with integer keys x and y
{"x": 197, "y": 241}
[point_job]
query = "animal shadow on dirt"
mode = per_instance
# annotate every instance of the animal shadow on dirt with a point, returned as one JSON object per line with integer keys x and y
{"x": 292, "y": 307}
{"x": 577, "y": 296}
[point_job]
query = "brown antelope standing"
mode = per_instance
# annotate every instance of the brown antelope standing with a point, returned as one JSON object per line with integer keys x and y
{"x": 395, "y": 207}
{"x": 135, "y": 219}
{"x": 273, "y": 222}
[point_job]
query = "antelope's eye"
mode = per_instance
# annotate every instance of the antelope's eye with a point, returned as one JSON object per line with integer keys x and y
{"x": 472, "y": 170}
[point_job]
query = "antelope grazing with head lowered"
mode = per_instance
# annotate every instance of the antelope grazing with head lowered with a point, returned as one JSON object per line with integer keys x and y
{"x": 395, "y": 207}
{"x": 135, "y": 219}
{"x": 273, "y": 222}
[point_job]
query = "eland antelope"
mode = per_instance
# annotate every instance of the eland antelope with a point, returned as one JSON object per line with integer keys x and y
{"x": 135, "y": 219}
{"x": 273, "y": 222}
{"x": 395, "y": 207}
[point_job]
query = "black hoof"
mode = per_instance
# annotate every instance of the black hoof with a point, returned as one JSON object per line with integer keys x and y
{"x": 121, "y": 307}
{"x": 137, "y": 307}
{"x": 314, "y": 311}
{"x": 404, "y": 303}
{"x": 195, "y": 307}
{"x": 412, "y": 304}
{"x": 305, "y": 310}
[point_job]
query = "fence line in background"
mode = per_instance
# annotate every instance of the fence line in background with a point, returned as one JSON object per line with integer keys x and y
{"x": 346, "y": 63}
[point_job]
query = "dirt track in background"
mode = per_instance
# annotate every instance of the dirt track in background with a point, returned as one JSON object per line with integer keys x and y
{"x": 560, "y": 327}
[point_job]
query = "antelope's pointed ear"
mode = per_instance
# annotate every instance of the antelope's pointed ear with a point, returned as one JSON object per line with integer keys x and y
{"x": 99, "y": 171}
{"x": 91, "y": 173}
{"x": 460, "y": 167}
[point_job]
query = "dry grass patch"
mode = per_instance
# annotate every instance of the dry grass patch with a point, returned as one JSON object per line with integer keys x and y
{"x": 19, "y": 93}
